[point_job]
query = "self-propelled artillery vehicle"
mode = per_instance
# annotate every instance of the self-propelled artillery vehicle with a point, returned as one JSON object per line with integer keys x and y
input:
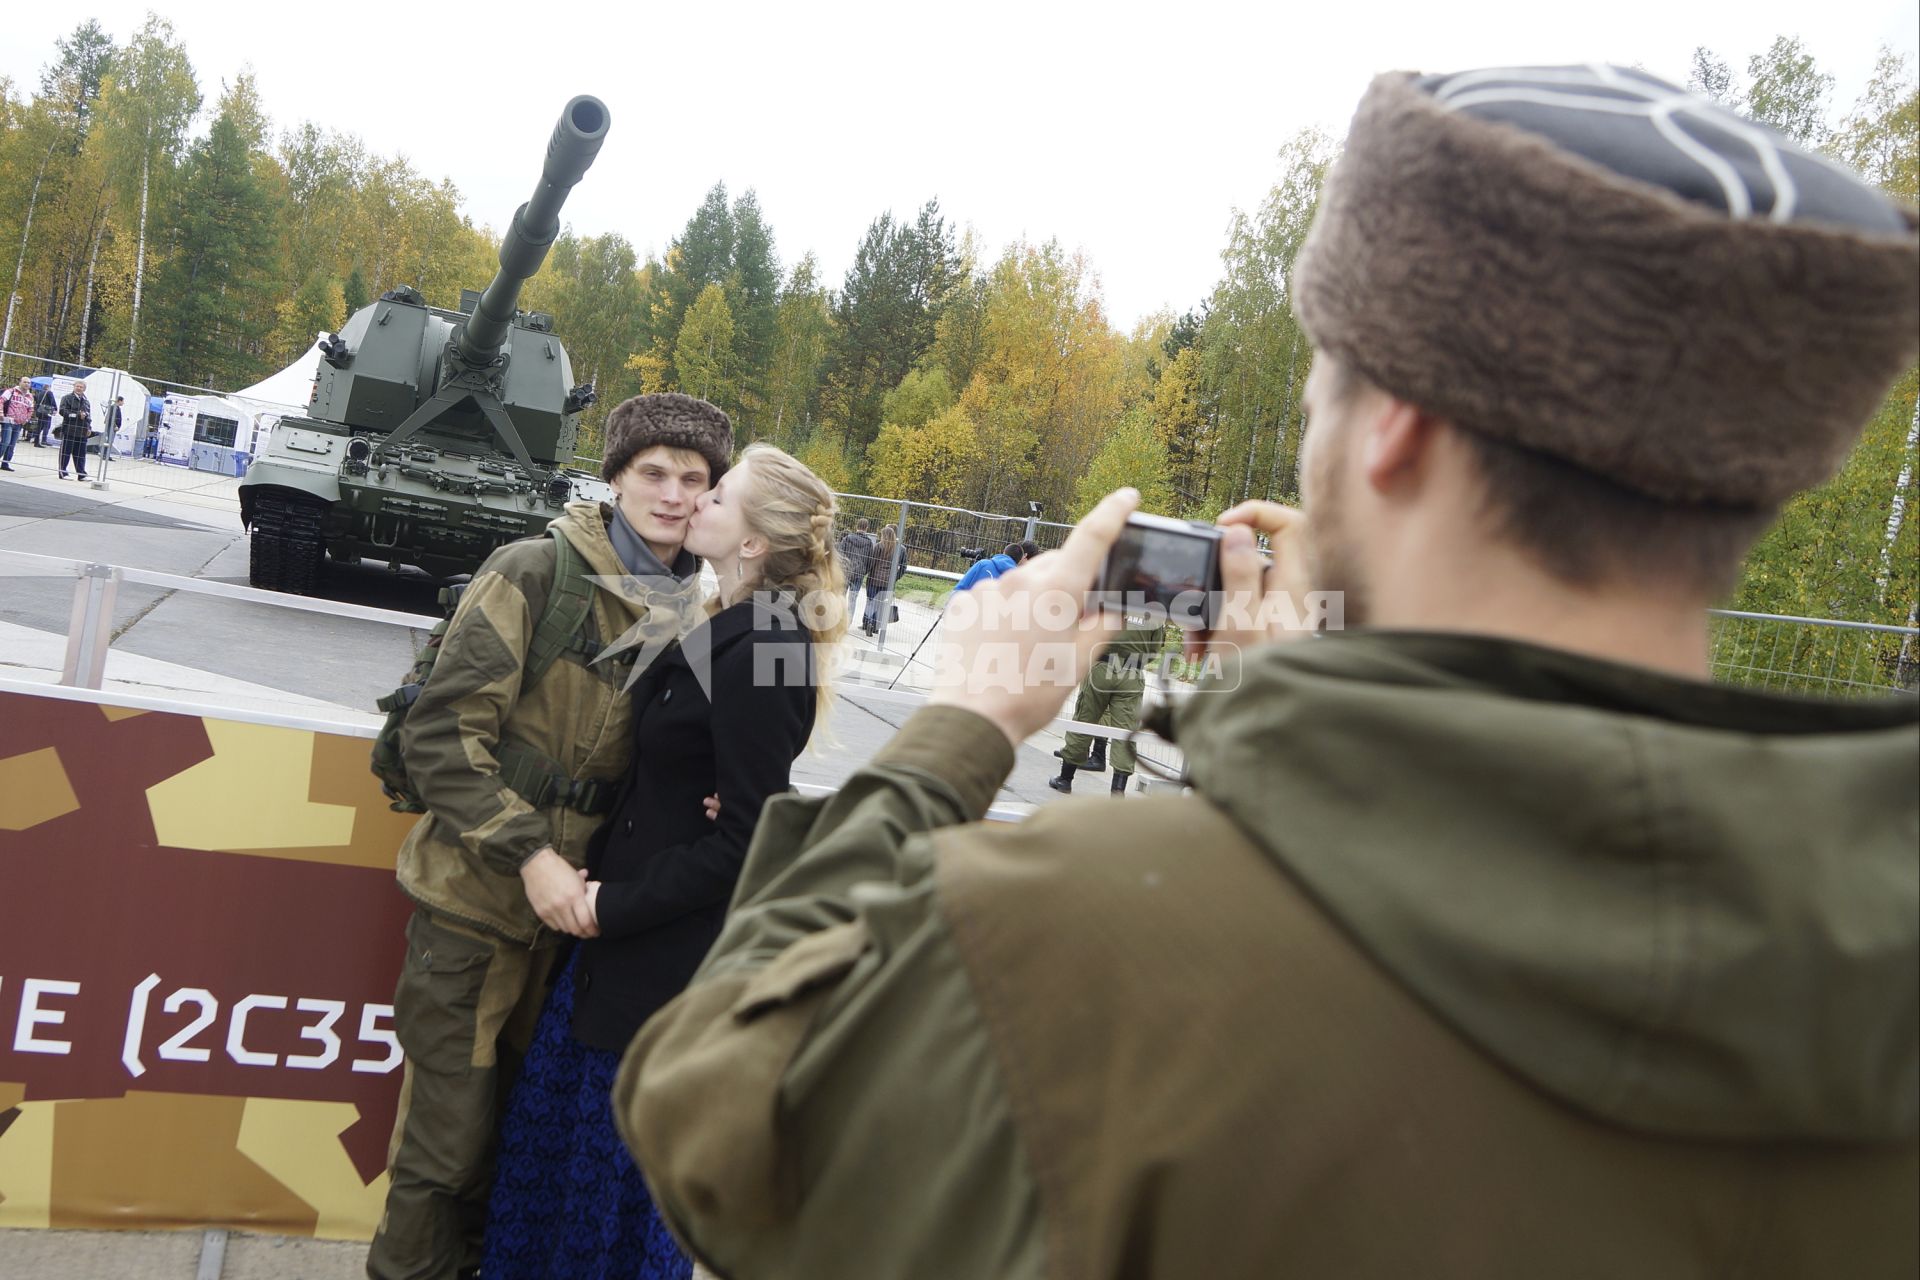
{"x": 433, "y": 436}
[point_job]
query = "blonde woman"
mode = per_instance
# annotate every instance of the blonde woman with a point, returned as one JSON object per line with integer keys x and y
{"x": 725, "y": 712}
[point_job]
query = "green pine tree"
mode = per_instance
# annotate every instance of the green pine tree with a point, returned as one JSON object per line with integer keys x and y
{"x": 223, "y": 250}
{"x": 886, "y": 318}
{"x": 753, "y": 293}
{"x": 354, "y": 292}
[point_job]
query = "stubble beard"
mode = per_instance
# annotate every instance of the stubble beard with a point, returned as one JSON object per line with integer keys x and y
{"x": 1333, "y": 560}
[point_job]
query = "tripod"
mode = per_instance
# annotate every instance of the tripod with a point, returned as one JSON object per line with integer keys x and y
{"x": 916, "y": 648}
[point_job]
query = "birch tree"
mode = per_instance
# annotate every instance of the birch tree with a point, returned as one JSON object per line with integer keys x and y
{"x": 149, "y": 100}
{"x": 802, "y": 328}
{"x": 1789, "y": 92}
{"x": 703, "y": 353}
{"x": 26, "y": 227}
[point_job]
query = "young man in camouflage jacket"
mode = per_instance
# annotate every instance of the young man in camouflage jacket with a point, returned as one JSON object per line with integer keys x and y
{"x": 516, "y": 779}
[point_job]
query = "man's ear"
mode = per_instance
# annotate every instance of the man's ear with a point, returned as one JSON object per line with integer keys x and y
{"x": 1397, "y": 444}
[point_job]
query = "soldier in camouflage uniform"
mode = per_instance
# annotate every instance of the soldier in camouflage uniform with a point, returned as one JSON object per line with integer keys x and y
{"x": 1110, "y": 695}
{"x": 516, "y": 780}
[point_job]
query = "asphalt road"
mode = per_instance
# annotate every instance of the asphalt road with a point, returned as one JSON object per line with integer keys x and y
{"x": 334, "y": 659}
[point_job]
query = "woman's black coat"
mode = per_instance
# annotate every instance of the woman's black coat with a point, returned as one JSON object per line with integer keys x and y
{"x": 667, "y": 872}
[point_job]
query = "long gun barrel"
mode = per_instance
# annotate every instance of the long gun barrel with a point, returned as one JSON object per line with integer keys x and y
{"x": 576, "y": 141}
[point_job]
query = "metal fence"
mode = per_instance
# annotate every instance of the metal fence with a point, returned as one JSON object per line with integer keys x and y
{"x": 40, "y": 365}
{"x": 1814, "y": 655}
{"x": 945, "y": 541}
{"x": 90, "y": 636}
{"x": 1794, "y": 655}
{"x": 1798, "y": 655}
{"x": 1790, "y": 654}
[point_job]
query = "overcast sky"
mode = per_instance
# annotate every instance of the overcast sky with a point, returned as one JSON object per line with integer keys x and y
{"x": 1129, "y": 133}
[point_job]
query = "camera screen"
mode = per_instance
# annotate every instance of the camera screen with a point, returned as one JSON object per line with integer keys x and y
{"x": 1158, "y": 567}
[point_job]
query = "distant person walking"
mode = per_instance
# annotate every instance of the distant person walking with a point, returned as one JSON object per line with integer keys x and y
{"x": 880, "y": 573}
{"x": 76, "y": 424}
{"x": 43, "y": 411}
{"x": 16, "y": 415}
{"x": 856, "y": 552}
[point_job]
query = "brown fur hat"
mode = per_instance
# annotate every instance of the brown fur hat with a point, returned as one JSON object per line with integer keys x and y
{"x": 677, "y": 421}
{"x": 1588, "y": 263}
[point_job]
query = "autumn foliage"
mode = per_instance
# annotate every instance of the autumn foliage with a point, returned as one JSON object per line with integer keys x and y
{"x": 182, "y": 238}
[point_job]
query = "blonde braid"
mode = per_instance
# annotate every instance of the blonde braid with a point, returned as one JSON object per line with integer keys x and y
{"x": 823, "y": 533}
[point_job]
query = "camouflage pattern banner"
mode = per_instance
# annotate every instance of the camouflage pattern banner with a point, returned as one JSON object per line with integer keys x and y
{"x": 199, "y": 938}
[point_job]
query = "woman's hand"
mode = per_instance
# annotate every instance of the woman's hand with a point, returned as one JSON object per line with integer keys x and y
{"x": 593, "y": 902}
{"x": 713, "y": 808}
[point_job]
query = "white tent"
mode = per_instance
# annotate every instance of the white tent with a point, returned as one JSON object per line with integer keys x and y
{"x": 291, "y": 389}
{"x": 102, "y": 386}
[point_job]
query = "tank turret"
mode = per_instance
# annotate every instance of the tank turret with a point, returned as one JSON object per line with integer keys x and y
{"x": 433, "y": 435}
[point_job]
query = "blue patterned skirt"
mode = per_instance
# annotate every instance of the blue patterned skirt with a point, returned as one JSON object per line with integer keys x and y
{"x": 568, "y": 1202}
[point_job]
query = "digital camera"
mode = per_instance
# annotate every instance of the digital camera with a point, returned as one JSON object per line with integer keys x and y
{"x": 1164, "y": 567}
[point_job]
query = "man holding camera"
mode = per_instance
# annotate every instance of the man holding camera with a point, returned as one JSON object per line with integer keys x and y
{"x": 1494, "y": 939}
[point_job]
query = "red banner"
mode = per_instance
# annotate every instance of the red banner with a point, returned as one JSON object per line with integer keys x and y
{"x": 199, "y": 937}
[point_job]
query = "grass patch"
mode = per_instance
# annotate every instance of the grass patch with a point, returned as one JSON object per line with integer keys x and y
{"x": 919, "y": 589}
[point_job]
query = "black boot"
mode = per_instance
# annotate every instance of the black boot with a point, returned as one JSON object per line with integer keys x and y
{"x": 1064, "y": 783}
{"x": 1098, "y": 761}
{"x": 1120, "y": 781}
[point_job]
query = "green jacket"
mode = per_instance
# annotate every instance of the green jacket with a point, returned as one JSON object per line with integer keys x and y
{"x": 1464, "y": 958}
{"x": 463, "y": 858}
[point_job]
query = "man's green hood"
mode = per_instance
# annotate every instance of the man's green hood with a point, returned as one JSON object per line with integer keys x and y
{"x": 1685, "y": 908}
{"x": 585, "y": 524}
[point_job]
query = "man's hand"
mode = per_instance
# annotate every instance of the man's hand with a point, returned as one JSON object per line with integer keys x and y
{"x": 557, "y": 893}
{"x": 1263, "y": 602}
{"x": 1016, "y": 656}
{"x": 713, "y": 808}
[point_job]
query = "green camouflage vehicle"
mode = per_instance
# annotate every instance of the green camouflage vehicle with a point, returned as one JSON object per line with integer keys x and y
{"x": 433, "y": 436}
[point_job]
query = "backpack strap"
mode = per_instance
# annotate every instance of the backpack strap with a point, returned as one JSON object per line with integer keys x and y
{"x": 539, "y": 780}
{"x": 561, "y": 630}
{"x": 536, "y": 776}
